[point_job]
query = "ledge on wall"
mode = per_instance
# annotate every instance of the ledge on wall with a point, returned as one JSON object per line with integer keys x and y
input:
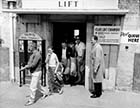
{"x": 68, "y": 11}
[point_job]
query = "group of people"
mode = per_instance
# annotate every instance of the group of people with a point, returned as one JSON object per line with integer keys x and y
{"x": 70, "y": 69}
{"x": 73, "y": 61}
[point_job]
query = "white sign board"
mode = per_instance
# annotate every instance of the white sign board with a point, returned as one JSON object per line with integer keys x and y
{"x": 131, "y": 37}
{"x": 30, "y": 36}
{"x": 70, "y": 4}
{"x": 108, "y": 34}
{"x": 52, "y": 4}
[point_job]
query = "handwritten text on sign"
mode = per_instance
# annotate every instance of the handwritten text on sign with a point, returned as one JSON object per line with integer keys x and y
{"x": 108, "y": 34}
{"x": 130, "y": 37}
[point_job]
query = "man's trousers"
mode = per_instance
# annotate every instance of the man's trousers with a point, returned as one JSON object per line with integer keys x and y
{"x": 97, "y": 89}
{"x": 35, "y": 85}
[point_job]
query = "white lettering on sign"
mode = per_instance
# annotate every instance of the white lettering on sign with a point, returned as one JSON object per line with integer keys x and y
{"x": 62, "y": 3}
{"x": 127, "y": 37}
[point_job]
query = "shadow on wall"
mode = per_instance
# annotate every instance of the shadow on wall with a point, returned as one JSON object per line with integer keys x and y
{"x": 4, "y": 64}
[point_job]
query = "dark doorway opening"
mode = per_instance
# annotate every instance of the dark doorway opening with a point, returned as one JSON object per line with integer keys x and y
{"x": 64, "y": 31}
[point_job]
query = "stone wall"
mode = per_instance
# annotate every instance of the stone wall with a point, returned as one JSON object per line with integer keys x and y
{"x": 131, "y": 21}
{"x": 4, "y": 64}
{"x": 4, "y": 50}
{"x": 5, "y": 29}
{"x": 126, "y": 57}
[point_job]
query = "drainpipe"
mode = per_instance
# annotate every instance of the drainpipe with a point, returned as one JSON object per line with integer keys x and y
{"x": 12, "y": 35}
{"x": 11, "y": 51}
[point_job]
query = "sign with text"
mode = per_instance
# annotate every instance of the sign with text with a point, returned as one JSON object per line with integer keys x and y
{"x": 108, "y": 34}
{"x": 52, "y": 4}
{"x": 69, "y": 4}
{"x": 30, "y": 36}
{"x": 132, "y": 37}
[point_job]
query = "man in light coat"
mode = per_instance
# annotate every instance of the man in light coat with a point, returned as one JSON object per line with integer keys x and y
{"x": 98, "y": 67}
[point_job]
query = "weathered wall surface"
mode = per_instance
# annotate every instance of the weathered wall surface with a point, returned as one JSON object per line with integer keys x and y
{"x": 126, "y": 57}
{"x": 4, "y": 50}
{"x": 126, "y": 66}
{"x": 4, "y": 64}
{"x": 31, "y": 23}
{"x": 5, "y": 29}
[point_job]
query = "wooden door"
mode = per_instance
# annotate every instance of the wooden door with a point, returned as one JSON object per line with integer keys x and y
{"x": 136, "y": 75}
{"x": 110, "y": 57}
{"x": 106, "y": 55}
{"x": 106, "y": 50}
{"x": 113, "y": 65}
{"x": 113, "y": 55}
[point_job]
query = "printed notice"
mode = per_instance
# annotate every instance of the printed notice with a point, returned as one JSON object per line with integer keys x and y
{"x": 108, "y": 34}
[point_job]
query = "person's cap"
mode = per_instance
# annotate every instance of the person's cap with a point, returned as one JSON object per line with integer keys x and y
{"x": 50, "y": 49}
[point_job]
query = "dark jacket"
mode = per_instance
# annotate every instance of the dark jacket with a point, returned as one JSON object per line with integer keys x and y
{"x": 35, "y": 62}
{"x": 68, "y": 52}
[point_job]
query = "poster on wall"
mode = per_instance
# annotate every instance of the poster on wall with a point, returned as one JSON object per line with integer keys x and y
{"x": 130, "y": 37}
{"x": 108, "y": 34}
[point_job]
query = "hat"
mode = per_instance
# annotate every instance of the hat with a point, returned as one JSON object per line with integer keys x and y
{"x": 50, "y": 49}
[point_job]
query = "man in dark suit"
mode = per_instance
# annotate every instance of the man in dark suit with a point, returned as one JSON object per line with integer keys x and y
{"x": 65, "y": 60}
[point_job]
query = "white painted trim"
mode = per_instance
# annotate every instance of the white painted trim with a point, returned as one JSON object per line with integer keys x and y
{"x": 68, "y": 11}
{"x": 11, "y": 51}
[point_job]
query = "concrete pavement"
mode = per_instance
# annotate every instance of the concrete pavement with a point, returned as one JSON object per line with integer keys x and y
{"x": 12, "y": 96}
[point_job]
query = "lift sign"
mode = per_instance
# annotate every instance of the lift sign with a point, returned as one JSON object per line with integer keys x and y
{"x": 66, "y": 3}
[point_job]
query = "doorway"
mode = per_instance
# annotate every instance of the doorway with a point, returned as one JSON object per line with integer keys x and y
{"x": 65, "y": 32}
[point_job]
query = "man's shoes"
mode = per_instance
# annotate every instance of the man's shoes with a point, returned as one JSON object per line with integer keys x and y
{"x": 49, "y": 94}
{"x": 29, "y": 103}
{"x": 60, "y": 91}
{"x": 95, "y": 96}
{"x": 44, "y": 96}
